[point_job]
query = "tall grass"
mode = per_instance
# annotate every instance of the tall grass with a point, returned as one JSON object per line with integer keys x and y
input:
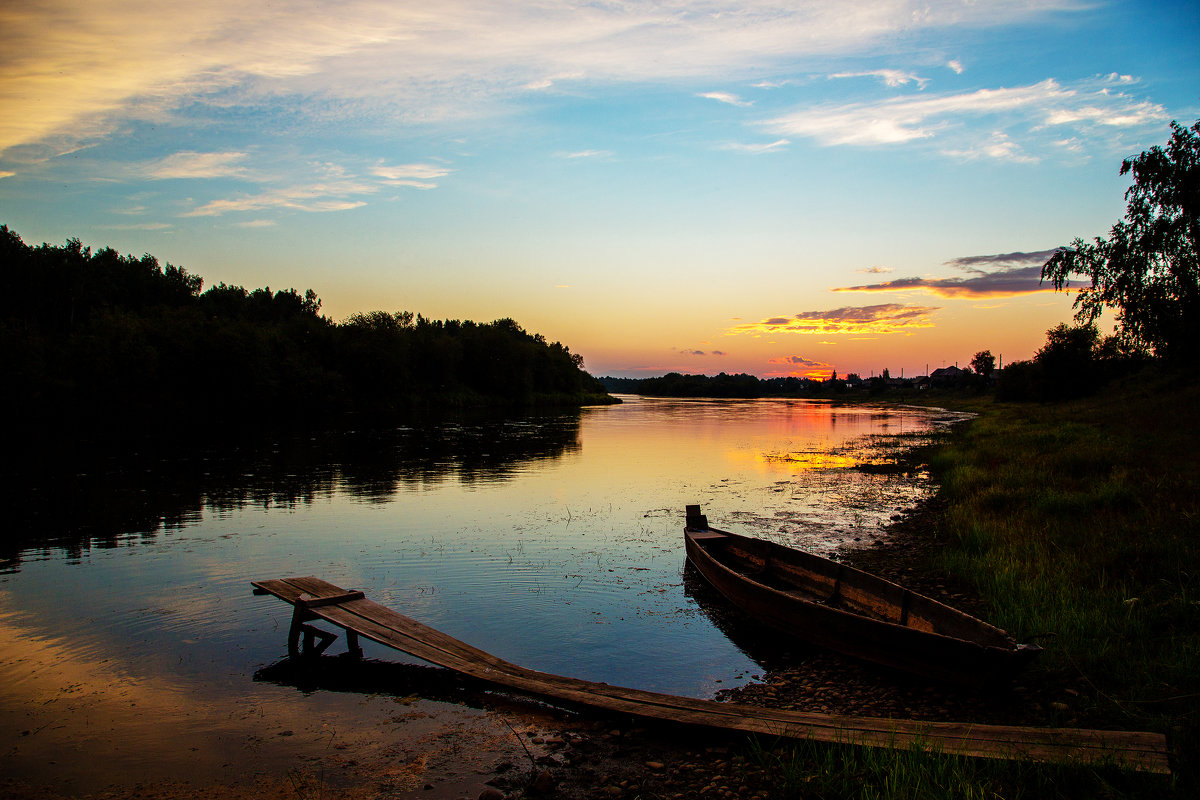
{"x": 1079, "y": 523}
{"x": 810, "y": 770}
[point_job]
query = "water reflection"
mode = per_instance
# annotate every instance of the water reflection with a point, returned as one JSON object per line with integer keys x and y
{"x": 106, "y": 498}
{"x": 763, "y": 645}
{"x": 554, "y": 542}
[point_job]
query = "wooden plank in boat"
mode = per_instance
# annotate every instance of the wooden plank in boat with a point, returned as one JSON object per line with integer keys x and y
{"x": 704, "y": 536}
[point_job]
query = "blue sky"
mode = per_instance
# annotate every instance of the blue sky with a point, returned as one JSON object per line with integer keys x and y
{"x": 777, "y": 188}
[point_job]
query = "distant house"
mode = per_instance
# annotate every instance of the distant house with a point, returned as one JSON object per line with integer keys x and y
{"x": 948, "y": 376}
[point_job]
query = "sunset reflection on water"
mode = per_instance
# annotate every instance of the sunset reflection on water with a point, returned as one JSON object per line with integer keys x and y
{"x": 553, "y": 541}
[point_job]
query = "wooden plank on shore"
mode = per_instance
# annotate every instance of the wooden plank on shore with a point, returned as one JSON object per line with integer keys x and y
{"x": 359, "y": 615}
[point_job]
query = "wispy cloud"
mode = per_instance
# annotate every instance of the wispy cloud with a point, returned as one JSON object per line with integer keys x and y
{"x": 585, "y": 154}
{"x": 141, "y": 226}
{"x": 61, "y": 75}
{"x": 329, "y": 186}
{"x": 877, "y": 319}
{"x": 6, "y": 174}
{"x": 755, "y": 149}
{"x": 890, "y": 77}
{"x": 318, "y": 197}
{"x": 998, "y": 146}
{"x": 416, "y": 176}
{"x": 1001, "y": 275}
{"x": 1029, "y": 109}
{"x": 190, "y": 164}
{"x": 876, "y": 270}
{"x": 956, "y": 66}
{"x": 726, "y": 97}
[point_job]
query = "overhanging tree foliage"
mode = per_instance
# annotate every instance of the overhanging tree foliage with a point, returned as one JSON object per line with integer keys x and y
{"x": 1148, "y": 269}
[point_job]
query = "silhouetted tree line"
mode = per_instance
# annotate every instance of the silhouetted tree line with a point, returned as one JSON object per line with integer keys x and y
{"x": 741, "y": 385}
{"x": 1074, "y": 362}
{"x": 100, "y": 337}
{"x": 673, "y": 384}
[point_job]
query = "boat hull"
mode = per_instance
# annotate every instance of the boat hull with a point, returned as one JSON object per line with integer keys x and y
{"x": 853, "y": 612}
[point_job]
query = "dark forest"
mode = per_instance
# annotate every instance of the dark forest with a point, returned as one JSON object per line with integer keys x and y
{"x": 100, "y": 339}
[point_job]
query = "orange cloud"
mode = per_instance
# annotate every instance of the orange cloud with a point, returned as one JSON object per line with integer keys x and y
{"x": 801, "y": 367}
{"x": 877, "y": 319}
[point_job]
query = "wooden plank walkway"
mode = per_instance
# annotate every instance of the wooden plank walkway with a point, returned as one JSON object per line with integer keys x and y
{"x": 314, "y": 599}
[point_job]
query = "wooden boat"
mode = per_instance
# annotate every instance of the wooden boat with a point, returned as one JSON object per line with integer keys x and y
{"x": 851, "y": 611}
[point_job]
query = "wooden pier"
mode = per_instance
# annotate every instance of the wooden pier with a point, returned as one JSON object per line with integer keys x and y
{"x": 315, "y": 599}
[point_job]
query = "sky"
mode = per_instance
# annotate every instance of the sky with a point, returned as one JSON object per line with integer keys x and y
{"x": 778, "y": 188}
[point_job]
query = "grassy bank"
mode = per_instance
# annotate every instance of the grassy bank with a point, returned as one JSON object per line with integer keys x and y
{"x": 1076, "y": 525}
{"x": 1079, "y": 521}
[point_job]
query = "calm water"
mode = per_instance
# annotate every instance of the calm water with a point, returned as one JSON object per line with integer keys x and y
{"x": 554, "y": 542}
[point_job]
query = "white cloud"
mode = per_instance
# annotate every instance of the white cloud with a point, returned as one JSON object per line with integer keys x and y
{"x": 778, "y": 144}
{"x": 321, "y": 186}
{"x": 318, "y": 197}
{"x": 414, "y": 176}
{"x": 197, "y": 165}
{"x": 904, "y": 119}
{"x": 890, "y": 77}
{"x": 71, "y": 72}
{"x": 140, "y": 226}
{"x": 726, "y": 97}
{"x": 957, "y": 66}
{"x": 586, "y": 154}
{"x": 410, "y": 171}
{"x": 1127, "y": 117}
{"x": 778, "y": 84}
{"x": 999, "y": 147}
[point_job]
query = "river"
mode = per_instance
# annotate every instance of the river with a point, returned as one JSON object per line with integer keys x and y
{"x": 131, "y": 646}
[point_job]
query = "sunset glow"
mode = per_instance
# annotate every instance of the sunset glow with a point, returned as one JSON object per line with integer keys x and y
{"x": 758, "y": 186}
